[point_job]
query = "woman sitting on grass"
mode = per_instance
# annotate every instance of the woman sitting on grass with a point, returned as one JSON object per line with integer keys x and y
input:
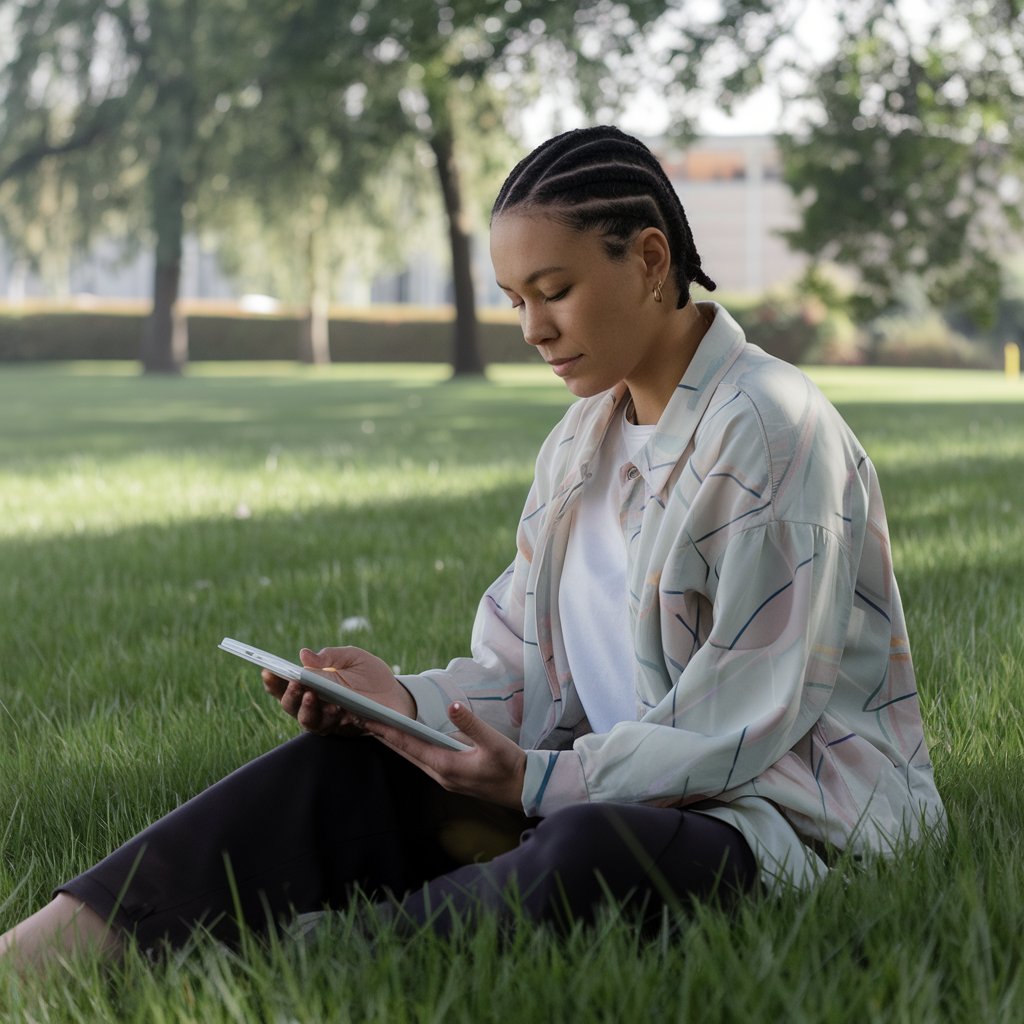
{"x": 693, "y": 680}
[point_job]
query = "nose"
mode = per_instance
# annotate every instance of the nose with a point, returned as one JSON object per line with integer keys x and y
{"x": 536, "y": 323}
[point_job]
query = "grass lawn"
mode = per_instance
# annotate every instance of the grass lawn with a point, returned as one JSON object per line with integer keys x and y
{"x": 143, "y": 519}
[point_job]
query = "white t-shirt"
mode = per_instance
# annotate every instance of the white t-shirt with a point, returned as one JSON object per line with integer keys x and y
{"x": 592, "y": 598}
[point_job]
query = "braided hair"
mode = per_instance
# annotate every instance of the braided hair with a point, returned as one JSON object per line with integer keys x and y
{"x": 602, "y": 179}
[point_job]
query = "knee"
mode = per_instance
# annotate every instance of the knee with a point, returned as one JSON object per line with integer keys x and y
{"x": 577, "y": 837}
{"x": 570, "y": 864}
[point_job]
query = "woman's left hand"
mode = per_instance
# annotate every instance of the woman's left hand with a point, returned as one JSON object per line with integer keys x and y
{"x": 493, "y": 770}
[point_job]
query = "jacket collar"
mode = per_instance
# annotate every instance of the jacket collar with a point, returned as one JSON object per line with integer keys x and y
{"x": 719, "y": 349}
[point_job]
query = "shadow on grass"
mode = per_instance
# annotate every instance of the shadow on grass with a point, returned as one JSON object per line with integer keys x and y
{"x": 414, "y": 568}
{"x": 47, "y": 417}
{"x": 115, "y": 703}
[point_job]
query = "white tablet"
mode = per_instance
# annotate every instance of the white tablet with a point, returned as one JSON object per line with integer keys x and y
{"x": 337, "y": 693}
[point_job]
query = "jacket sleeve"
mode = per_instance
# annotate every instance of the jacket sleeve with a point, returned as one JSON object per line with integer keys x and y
{"x": 759, "y": 681}
{"x": 491, "y": 680}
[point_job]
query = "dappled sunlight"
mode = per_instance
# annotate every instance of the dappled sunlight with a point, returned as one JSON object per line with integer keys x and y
{"x": 46, "y": 415}
{"x": 847, "y": 385}
{"x": 83, "y": 455}
{"x": 146, "y": 604}
{"x": 104, "y": 496}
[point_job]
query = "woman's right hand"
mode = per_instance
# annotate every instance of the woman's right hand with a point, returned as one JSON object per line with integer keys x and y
{"x": 353, "y": 667}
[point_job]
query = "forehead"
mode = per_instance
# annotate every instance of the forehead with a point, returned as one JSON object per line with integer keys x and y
{"x": 523, "y": 243}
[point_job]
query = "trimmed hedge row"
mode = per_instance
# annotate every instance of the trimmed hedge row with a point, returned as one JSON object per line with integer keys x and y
{"x": 382, "y": 334}
{"x": 104, "y": 335}
{"x": 793, "y": 330}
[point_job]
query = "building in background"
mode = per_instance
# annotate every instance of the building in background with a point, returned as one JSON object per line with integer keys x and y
{"x": 737, "y": 203}
{"x": 730, "y": 186}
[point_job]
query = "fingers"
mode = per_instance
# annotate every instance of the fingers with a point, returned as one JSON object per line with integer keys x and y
{"x": 303, "y": 705}
{"x": 450, "y": 768}
{"x": 493, "y": 769}
{"x": 292, "y": 698}
{"x": 336, "y": 657}
{"x": 311, "y": 659}
{"x": 426, "y": 756}
{"x": 316, "y": 716}
{"x": 473, "y": 728}
{"x": 274, "y": 685}
{"x": 312, "y": 713}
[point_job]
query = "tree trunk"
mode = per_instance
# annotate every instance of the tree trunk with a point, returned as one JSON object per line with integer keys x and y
{"x": 314, "y": 335}
{"x": 466, "y": 358}
{"x": 314, "y": 329}
{"x": 165, "y": 336}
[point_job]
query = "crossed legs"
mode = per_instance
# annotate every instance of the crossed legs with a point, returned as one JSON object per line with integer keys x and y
{"x": 317, "y": 819}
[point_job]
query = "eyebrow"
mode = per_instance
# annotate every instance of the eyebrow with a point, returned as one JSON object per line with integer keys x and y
{"x": 535, "y": 276}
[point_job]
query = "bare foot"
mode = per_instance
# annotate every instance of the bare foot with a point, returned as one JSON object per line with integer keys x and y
{"x": 64, "y": 925}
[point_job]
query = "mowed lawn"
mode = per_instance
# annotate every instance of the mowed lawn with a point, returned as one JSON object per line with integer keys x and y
{"x": 143, "y": 519}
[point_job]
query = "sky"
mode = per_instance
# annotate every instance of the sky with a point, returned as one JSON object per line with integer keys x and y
{"x": 815, "y": 32}
{"x": 647, "y": 115}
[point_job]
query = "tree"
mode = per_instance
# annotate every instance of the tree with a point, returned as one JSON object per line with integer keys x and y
{"x": 37, "y": 215}
{"x": 910, "y": 164}
{"x": 157, "y": 85}
{"x": 139, "y": 87}
{"x": 297, "y": 177}
{"x": 54, "y": 182}
{"x": 465, "y": 60}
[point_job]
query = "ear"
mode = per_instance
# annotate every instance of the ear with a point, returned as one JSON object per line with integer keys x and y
{"x": 652, "y": 248}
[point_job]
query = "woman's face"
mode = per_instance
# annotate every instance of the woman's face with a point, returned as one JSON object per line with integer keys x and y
{"x": 593, "y": 319}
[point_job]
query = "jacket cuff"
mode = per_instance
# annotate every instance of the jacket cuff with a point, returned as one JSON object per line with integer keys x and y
{"x": 554, "y": 779}
{"x": 432, "y": 701}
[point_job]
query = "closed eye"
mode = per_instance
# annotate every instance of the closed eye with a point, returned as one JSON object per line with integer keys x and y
{"x": 547, "y": 298}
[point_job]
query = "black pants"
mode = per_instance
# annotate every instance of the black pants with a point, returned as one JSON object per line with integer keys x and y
{"x": 316, "y": 820}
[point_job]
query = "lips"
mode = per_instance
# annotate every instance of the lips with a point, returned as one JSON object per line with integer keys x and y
{"x": 563, "y": 367}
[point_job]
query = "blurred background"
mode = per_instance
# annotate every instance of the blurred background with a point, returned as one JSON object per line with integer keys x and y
{"x": 310, "y": 179}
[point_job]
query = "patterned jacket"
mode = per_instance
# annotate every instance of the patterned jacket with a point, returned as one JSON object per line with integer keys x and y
{"x": 771, "y": 652}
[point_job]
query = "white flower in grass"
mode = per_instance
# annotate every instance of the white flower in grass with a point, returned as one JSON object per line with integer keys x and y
{"x": 242, "y": 511}
{"x": 354, "y": 622}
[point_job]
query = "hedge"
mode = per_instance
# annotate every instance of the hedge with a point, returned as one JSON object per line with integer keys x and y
{"x": 792, "y": 330}
{"x": 387, "y": 335}
{"x": 378, "y": 334}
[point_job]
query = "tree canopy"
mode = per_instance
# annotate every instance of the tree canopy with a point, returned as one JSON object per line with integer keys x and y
{"x": 125, "y": 100}
{"x": 910, "y": 162}
{"x": 152, "y": 117}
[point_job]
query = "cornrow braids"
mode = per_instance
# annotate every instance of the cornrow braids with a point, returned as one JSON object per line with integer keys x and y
{"x": 602, "y": 179}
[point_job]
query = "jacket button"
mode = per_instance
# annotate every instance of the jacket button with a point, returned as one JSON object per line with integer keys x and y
{"x": 632, "y": 473}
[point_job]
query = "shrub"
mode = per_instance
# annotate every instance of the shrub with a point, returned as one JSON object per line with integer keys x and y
{"x": 923, "y": 341}
{"x": 790, "y": 328}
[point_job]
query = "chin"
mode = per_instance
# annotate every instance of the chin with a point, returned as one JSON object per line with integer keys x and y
{"x": 588, "y": 388}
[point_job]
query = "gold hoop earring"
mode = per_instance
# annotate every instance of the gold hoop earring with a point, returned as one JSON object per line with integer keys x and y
{"x": 657, "y": 292}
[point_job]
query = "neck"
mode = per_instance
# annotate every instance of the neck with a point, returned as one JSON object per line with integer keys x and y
{"x": 652, "y": 387}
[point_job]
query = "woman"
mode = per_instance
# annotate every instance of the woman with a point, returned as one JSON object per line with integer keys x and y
{"x": 694, "y": 677}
